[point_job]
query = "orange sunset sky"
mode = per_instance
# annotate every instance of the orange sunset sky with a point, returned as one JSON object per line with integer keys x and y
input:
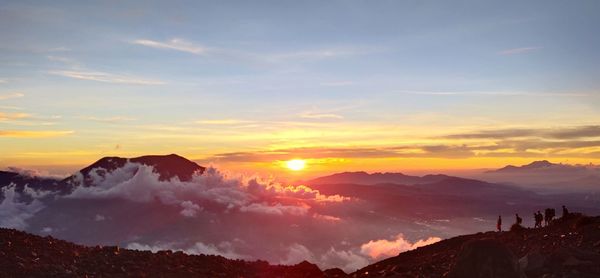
{"x": 435, "y": 89}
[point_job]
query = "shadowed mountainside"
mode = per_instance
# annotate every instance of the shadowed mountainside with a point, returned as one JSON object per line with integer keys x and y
{"x": 566, "y": 248}
{"x": 375, "y": 178}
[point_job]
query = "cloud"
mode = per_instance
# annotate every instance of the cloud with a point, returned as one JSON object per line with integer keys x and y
{"x": 224, "y": 248}
{"x": 519, "y": 50}
{"x": 113, "y": 119}
{"x": 222, "y": 122}
{"x": 277, "y": 209}
{"x": 34, "y": 133}
{"x": 189, "y": 209}
{"x": 346, "y": 260}
{"x": 311, "y": 115}
{"x": 13, "y": 116}
{"x": 304, "y": 55}
{"x": 106, "y": 77}
{"x": 11, "y": 95}
{"x": 337, "y": 83}
{"x": 296, "y": 254}
{"x": 173, "y": 44}
{"x": 312, "y": 55}
{"x": 497, "y": 93}
{"x": 218, "y": 213}
{"x": 377, "y": 249}
{"x": 139, "y": 183}
{"x": 14, "y": 214}
{"x": 570, "y": 133}
{"x": 34, "y": 173}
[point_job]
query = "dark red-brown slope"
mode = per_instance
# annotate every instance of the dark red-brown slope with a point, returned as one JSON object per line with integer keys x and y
{"x": 566, "y": 248}
{"x": 26, "y": 255}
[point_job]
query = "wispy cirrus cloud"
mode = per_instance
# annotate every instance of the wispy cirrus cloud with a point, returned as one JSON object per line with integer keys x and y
{"x": 497, "y": 93}
{"x": 314, "y": 54}
{"x": 565, "y": 133}
{"x": 337, "y": 83}
{"x": 13, "y": 116}
{"x": 519, "y": 50}
{"x": 11, "y": 95}
{"x": 182, "y": 45}
{"x": 223, "y": 122}
{"x": 106, "y": 77}
{"x": 575, "y": 141}
{"x": 113, "y": 119}
{"x": 312, "y": 115}
{"x": 173, "y": 44}
{"x": 34, "y": 133}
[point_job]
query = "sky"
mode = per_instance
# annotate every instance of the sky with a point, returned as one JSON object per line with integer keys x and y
{"x": 411, "y": 86}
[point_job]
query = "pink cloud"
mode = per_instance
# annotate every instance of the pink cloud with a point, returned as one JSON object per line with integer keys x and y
{"x": 388, "y": 248}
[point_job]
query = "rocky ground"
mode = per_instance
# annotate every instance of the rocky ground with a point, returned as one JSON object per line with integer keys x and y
{"x": 26, "y": 255}
{"x": 567, "y": 248}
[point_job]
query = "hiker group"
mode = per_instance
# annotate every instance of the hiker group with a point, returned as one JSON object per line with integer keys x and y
{"x": 547, "y": 218}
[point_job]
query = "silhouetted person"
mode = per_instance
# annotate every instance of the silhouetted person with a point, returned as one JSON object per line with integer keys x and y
{"x": 519, "y": 219}
{"x": 499, "y": 224}
{"x": 538, "y": 219}
{"x": 565, "y": 212}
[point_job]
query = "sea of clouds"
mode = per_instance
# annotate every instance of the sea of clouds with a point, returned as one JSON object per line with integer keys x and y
{"x": 215, "y": 213}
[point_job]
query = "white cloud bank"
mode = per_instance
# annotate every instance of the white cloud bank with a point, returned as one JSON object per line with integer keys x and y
{"x": 387, "y": 248}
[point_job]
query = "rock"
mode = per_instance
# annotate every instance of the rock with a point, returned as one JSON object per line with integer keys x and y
{"x": 485, "y": 258}
{"x": 532, "y": 264}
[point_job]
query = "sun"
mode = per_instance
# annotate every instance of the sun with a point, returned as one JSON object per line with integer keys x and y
{"x": 296, "y": 164}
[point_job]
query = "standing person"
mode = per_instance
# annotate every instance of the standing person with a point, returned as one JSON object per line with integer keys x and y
{"x": 499, "y": 224}
{"x": 565, "y": 212}
{"x": 536, "y": 217}
{"x": 519, "y": 219}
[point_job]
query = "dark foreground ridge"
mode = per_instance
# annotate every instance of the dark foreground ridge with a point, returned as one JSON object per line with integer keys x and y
{"x": 566, "y": 248}
{"x": 26, "y": 255}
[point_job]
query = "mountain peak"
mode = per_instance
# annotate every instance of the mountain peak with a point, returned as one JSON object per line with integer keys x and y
{"x": 539, "y": 164}
{"x": 535, "y": 165}
{"x": 167, "y": 166}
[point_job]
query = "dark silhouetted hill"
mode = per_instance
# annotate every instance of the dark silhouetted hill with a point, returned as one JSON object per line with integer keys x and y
{"x": 566, "y": 248}
{"x": 167, "y": 166}
{"x": 365, "y": 178}
{"x": 26, "y": 255}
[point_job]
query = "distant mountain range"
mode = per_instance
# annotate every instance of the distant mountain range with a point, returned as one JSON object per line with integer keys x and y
{"x": 542, "y": 166}
{"x": 376, "y": 178}
{"x": 547, "y": 176}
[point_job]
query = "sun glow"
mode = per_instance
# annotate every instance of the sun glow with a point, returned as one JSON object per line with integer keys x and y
{"x": 296, "y": 164}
